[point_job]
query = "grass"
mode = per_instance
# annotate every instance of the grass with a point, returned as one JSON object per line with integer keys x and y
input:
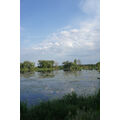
{"x": 44, "y": 69}
{"x": 70, "y": 107}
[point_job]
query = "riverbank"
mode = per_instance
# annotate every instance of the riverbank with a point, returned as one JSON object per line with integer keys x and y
{"x": 50, "y": 65}
{"x": 70, "y": 107}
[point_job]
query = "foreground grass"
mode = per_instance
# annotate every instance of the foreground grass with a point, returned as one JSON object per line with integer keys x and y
{"x": 70, "y": 107}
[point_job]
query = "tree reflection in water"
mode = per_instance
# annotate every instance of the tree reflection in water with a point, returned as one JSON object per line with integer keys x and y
{"x": 72, "y": 73}
{"x": 46, "y": 74}
{"x": 27, "y": 74}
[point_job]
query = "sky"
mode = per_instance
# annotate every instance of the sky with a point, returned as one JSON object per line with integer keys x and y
{"x": 60, "y": 30}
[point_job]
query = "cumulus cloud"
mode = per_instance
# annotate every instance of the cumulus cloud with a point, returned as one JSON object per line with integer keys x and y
{"x": 85, "y": 36}
{"x": 69, "y": 43}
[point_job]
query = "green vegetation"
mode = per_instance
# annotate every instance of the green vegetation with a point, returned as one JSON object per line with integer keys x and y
{"x": 44, "y": 69}
{"x": 91, "y": 66}
{"x": 71, "y": 66}
{"x": 98, "y": 66}
{"x": 88, "y": 67}
{"x": 27, "y": 66}
{"x": 45, "y": 66}
{"x": 70, "y": 107}
{"x": 50, "y": 65}
{"x": 45, "y": 63}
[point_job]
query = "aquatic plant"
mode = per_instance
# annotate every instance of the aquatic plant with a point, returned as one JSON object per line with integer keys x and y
{"x": 70, "y": 107}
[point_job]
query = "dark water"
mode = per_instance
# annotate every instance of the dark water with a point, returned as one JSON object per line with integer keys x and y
{"x": 38, "y": 86}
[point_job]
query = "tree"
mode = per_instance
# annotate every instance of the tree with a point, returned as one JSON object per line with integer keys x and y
{"x": 75, "y": 61}
{"x": 98, "y": 66}
{"x": 45, "y": 63}
{"x": 70, "y": 66}
{"x": 27, "y": 66}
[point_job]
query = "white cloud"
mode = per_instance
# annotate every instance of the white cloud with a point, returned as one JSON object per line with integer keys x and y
{"x": 85, "y": 36}
{"x": 68, "y": 44}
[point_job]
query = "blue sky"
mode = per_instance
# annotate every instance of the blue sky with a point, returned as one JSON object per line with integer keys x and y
{"x": 60, "y": 30}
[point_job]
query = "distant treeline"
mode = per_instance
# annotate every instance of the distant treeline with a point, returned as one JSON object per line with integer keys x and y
{"x": 49, "y": 65}
{"x": 91, "y": 66}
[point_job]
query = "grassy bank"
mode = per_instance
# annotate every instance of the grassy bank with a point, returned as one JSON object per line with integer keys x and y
{"x": 36, "y": 69}
{"x": 70, "y": 107}
{"x": 44, "y": 69}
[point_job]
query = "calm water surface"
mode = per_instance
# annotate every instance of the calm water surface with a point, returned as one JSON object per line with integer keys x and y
{"x": 38, "y": 86}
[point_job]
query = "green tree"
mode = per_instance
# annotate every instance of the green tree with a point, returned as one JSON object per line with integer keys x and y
{"x": 71, "y": 66}
{"x": 27, "y": 66}
{"x": 75, "y": 61}
{"x": 98, "y": 66}
{"x": 46, "y": 63}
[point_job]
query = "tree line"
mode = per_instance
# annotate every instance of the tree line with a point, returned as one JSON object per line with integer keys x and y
{"x": 48, "y": 65}
{"x": 42, "y": 65}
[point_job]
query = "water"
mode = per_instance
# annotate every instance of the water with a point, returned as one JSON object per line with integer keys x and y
{"x": 38, "y": 86}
